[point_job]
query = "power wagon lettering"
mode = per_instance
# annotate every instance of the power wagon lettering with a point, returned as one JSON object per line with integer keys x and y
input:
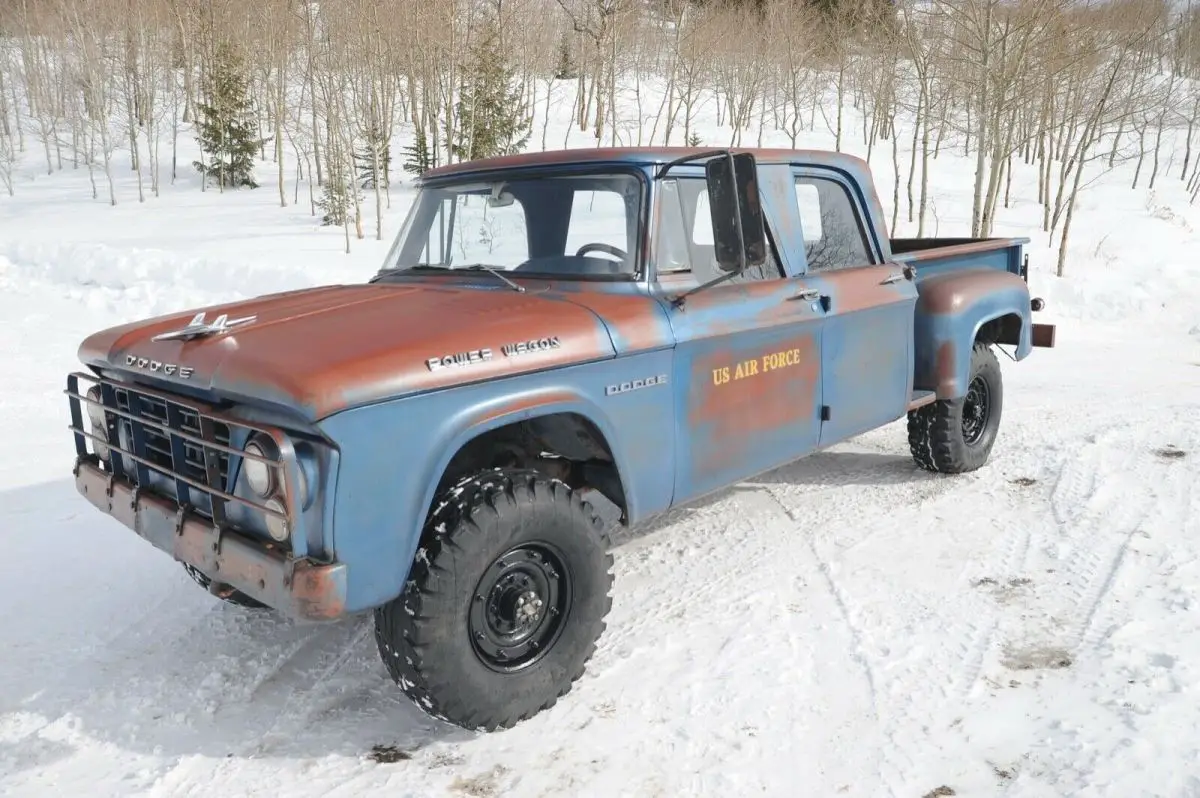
{"x": 459, "y": 359}
{"x": 757, "y": 366}
{"x": 480, "y": 355}
{"x": 347, "y": 478}
{"x": 535, "y": 345}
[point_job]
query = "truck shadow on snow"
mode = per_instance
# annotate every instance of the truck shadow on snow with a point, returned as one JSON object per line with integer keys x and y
{"x": 825, "y": 470}
{"x": 111, "y": 633}
{"x": 109, "y": 636}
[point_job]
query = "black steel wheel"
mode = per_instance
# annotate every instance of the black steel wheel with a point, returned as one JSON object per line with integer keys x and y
{"x": 976, "y": 406}
{"x": 520, "y": 606}
{"x": 953, "y": 436}
{"x": 504, "y": 602}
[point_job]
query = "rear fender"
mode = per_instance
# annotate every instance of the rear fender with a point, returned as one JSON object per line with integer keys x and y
{"x": 952, "y": 307}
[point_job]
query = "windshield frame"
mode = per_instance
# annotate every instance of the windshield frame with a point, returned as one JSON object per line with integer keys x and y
{"x": 532, "y": 172}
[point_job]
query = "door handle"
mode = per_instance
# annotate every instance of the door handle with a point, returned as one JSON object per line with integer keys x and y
{"x": 807, "y": 295}
{"x": 895, "y": 277}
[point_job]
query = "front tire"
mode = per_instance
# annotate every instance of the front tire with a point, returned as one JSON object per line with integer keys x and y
{"x": 505, "y": 602}
{"x": 954, "y": 436}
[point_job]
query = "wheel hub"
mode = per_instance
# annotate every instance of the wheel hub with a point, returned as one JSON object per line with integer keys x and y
{"x": 976, "y": 406}
{"x": 519, "y": 607}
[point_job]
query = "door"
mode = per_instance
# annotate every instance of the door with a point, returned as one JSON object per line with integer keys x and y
{"x": 867, "y": 356}
{"x": 747, "y": 365}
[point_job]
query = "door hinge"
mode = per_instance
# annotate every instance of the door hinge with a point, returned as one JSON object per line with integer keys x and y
{"x": 824, "y": 412}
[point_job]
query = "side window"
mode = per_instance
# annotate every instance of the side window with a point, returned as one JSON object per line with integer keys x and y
{"x": 833, "y": 235}
{"x": 597, "y": 217}
{"x": 684, "y": 238}
{"x": 467, "y": 229}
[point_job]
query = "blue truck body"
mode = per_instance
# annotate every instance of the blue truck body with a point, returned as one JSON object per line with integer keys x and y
{"x": 650, "y": 383}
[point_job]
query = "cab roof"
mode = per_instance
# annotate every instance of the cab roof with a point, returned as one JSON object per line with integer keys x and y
{"x": 640, "y": 156}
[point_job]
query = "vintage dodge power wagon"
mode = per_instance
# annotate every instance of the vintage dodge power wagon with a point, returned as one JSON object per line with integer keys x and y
{"x": 650, "y": 325}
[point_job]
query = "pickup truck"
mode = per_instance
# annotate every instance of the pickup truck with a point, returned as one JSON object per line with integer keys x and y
{"x": 650, "y": 325}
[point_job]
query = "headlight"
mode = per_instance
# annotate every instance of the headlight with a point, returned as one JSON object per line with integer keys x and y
{"x": 97, "y": 423}
{"x": 277, "y": 527}
{"x": 259, "y": 475}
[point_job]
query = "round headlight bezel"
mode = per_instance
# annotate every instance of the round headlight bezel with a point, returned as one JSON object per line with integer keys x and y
{"x": 260, "y": 476}
{"x": 278, "y": 528}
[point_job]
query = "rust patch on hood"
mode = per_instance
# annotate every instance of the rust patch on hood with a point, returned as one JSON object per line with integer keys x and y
{"x": 326, "y": 349}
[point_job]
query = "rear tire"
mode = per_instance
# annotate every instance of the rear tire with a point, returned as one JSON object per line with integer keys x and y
{"x": 504, "y": 604}
{"x": 953, "y": 436}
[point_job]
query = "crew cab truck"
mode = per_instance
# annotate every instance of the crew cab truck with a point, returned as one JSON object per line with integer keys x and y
{"x": 648, "y": 324}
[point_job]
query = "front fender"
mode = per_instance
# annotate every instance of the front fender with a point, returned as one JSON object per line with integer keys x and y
{"x": 393, "y": 454}
{"x": 951, "y": 309}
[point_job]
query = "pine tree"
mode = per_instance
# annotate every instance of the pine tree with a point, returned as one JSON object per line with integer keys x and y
{"x": 337, "y": 194}
{"x": 364, "y": 159}
{"x": 418, "y": 157}
{"x": 225, "y": 123}
{"x": 565, "y": 69}
{"x": 490, "y": 113}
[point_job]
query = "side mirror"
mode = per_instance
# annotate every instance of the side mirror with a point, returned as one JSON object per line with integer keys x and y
{"x": 739, "y": 232}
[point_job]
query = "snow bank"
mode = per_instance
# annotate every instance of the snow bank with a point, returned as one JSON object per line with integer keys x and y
{"x": 138, "y": 281}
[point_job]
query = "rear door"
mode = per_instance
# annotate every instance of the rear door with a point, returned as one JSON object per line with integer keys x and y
{"x": 748, "y": 351}
{"x": 867, "y": 341}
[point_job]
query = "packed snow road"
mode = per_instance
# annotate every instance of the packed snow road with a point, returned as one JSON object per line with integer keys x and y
{"x": 846, "y": 625}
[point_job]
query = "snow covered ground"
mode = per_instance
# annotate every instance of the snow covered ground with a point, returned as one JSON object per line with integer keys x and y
{"x": 847, "y": 625}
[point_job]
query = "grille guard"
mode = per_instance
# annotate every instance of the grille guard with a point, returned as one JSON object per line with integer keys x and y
{"x": 217, "y": 486}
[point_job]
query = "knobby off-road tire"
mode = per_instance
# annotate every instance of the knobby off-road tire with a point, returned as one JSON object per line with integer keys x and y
{"x": 953, "y": 436}
{"x": 231, "y": 597}
{"x": 504, "y": 551}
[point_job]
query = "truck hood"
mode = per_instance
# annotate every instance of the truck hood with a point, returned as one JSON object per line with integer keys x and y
{"x": 321, "y": 350}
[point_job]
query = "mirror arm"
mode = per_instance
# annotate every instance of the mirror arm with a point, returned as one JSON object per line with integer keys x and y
{"x": 678, "y": 301}
{"x": 662, "y": 170}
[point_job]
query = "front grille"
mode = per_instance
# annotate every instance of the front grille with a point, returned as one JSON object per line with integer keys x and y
{"x": 179, "y": 449}
{"x": 156, "y": 445}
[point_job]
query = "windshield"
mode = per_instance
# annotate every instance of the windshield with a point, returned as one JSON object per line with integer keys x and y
{"x": 571, "y": 225}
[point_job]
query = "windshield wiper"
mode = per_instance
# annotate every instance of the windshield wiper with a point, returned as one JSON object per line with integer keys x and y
{"x": 476, "y": 267}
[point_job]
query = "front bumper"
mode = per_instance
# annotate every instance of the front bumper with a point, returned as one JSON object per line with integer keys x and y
{"x": 298, "y": 588}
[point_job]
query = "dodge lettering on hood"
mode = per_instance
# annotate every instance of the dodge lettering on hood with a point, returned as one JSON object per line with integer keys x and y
{"x": 553, "y": 340}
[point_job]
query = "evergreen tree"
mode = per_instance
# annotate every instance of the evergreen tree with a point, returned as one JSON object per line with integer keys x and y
{"x": 565, "y": 69}
{"x": 364, "y": 159}
{"x": 337, "y": 194}
{"x": 490, "y": 113}
{"x": 225, "y": 123}
{"x": 418, "y": 156}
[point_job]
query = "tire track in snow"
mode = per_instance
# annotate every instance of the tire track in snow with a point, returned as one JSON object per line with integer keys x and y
{"x": 908, "y": 698}
{"x": 840, "y": 598}
{"x": 283, "y": 698}
{"x": 1099, "y": 501}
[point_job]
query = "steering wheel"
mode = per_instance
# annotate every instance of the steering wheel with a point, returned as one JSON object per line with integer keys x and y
{"x": 606, "y": 248}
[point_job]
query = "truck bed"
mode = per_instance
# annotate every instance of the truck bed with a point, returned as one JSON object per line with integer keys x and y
{"x": 934, "y": 255}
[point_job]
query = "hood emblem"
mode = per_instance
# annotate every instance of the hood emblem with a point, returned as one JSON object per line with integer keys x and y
{"x": 198, "y": 327}
{"x": 155, "y": 366}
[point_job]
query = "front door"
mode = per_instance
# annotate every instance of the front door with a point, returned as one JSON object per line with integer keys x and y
{"x": 747, "y": 366}
{"x": 867, "y": 357}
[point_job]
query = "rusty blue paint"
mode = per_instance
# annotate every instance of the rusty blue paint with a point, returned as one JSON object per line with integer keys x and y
{"x": 952, "y": 308}
{"x": 823, "y": 355}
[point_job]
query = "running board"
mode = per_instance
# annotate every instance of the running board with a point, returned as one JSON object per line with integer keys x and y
{"x": 920, "y": 399}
